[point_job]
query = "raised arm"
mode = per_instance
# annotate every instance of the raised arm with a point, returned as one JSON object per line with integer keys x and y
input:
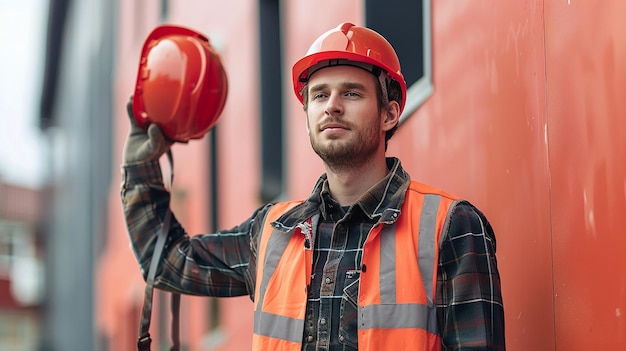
{"x": 210, "y": 264}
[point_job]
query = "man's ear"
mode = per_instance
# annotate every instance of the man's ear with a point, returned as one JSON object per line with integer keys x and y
{"x": 308, "y": 129}
{"x": 392, "y": 115}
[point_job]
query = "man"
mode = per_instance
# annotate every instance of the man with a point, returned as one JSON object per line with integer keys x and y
{"x": 371, "y": 260}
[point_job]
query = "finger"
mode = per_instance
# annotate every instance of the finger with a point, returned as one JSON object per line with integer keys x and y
{"x": 156, "y": 135}
{"x": 129, "y": 108}
{"x": 133, "y": 122}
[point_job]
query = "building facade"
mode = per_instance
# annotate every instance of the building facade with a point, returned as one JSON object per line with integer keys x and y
{"x": 515, "y": 106}
{"x": 21, "y": 268}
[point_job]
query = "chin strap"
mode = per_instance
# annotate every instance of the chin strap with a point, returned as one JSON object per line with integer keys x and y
{"x": 144, "y": 341}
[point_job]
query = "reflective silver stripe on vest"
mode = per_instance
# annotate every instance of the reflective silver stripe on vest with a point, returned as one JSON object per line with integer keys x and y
{"x": 388, "y": 314}
{"x": 269, "y": 324}
{"x": 398, "y": 316}
{"x": 274, "y": 250}
{"x": 388, "y": 264}
{"x": 426, "y": 254}
{"x": 278, "y": 327}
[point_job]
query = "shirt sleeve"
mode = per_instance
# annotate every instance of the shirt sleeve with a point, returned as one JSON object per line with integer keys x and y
{"x": 470, "y": 311}
{"x": 208, "y": 264}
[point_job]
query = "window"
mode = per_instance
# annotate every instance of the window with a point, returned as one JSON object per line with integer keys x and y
{"x": 407, "y": 26}
{"x": 6, "y": 253}
{"x": 15, "y": 240}
{"x": 271, "y": 103}
{"x": 20, "y": 262}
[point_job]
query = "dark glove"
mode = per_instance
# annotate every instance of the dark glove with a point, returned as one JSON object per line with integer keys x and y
{"x": 143, "y": 146}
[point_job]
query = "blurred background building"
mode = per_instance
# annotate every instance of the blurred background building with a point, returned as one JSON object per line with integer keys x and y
{"x": 21, "y": 268}
{"x": 516, "y": 106}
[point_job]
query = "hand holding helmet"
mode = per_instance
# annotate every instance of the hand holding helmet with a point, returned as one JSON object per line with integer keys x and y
{"x": 143, "y": 145}
{"x": 181, "y": 84}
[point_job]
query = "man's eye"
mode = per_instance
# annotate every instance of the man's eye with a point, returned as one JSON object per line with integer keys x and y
{"x": 318, "y": 96}
{"x": 352, "y": 93}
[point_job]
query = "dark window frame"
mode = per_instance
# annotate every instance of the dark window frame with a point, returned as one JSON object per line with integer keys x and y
{"x": 382, "y": 17}
{"x": 271, "y": 104}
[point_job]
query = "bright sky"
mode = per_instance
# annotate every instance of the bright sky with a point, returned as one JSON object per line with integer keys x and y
{"x": 22, "y": 49}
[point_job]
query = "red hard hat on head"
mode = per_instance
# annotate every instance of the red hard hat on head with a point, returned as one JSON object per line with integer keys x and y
{"x": 181, "y": 83}
{"x": 352, "y": 43}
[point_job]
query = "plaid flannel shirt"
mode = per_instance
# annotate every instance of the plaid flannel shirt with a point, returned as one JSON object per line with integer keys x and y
{"x": 469, "y": 303}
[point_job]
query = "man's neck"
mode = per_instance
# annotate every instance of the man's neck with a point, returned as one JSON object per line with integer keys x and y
{"x": 348, "y": 185}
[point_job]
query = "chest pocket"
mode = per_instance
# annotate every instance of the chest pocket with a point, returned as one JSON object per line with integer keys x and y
{"x": 348, "y": 322}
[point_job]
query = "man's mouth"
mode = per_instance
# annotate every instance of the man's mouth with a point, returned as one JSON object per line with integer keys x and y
{"x": 333, "y": 127}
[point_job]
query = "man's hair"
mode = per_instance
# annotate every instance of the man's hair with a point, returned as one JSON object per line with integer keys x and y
{"x": 394, "y": 92}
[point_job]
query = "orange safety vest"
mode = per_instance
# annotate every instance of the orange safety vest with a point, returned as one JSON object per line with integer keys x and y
{"x": 396, "y": 307}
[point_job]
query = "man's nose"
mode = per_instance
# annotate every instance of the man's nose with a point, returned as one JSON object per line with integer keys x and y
{"x": 334, "y": 105}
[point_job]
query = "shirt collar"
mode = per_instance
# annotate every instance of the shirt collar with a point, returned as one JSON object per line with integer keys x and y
{"x": 388, "y": 194}
{"x": 382, "y": 201}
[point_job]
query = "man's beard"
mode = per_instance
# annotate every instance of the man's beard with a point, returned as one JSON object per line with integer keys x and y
{"x": 340, "y": 155}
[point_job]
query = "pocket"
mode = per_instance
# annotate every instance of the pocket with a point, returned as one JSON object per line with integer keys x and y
{"x": 348, "y": 323}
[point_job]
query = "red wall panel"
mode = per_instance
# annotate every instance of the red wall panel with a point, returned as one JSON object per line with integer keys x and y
{"x": 586, "y": 73}
{"x": 482, "y": 136}
{"x": 526, "y": 121}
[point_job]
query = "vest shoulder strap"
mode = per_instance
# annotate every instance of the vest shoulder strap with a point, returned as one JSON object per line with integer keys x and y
{"x": 427, "y": 189}
{"x": 279, "y": 208}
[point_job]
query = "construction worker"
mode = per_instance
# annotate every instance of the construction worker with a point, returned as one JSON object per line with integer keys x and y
{"x": 371, "y": 260}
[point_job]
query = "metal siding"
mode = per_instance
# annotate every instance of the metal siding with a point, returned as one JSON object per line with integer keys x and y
{"x": 586, "y": 71}
{"x": 481, "y": 136}
{"x": 525, "y": 122}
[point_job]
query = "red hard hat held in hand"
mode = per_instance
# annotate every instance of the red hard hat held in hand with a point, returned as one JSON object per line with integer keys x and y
{"x": 181, "y": 84}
